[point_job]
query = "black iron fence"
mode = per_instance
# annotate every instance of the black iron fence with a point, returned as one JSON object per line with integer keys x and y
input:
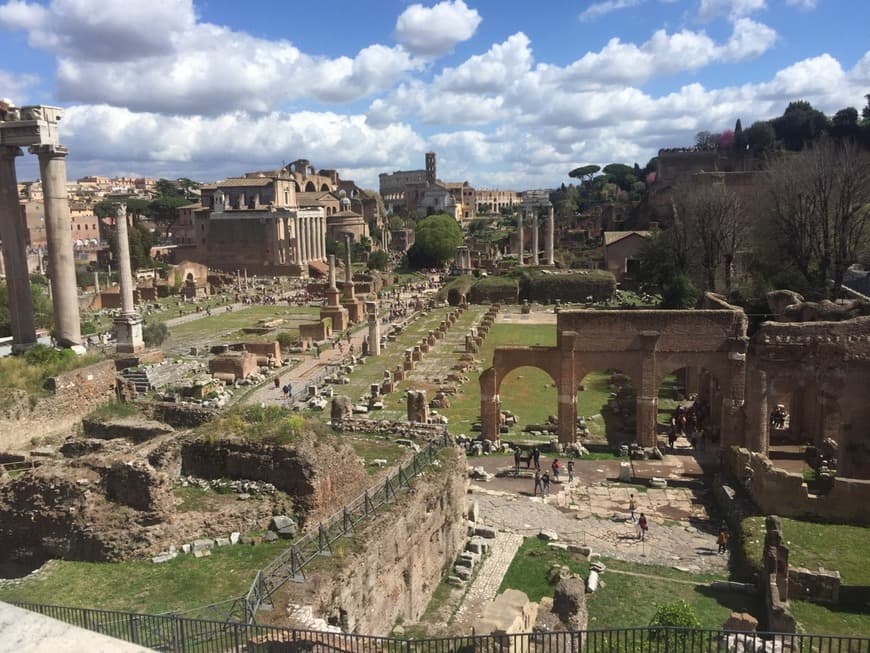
{"x": 175, "y": 634}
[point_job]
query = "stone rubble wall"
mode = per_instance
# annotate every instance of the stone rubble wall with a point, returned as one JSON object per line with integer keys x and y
{"x": 822, "y": 585}
{"x": 178, "y": 415}
{"x": 399, "y": 428}
{"x": 401, "y": 557}
{"x": 74, "y": 394}
{"x": 776, "y": 491}
{"x": 318, "y": 475}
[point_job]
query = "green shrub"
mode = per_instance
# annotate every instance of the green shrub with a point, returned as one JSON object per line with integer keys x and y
{"x": 378, "y": 260}
{"x": 677, "y": 614}
{"x": 155, "y": 333}
{"x": 285, "y": 339}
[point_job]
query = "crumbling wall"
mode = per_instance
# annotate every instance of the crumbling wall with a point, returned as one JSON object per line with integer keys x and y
{"x": 178, "y": 415}
{"x": 402, "y": 556}
{"x": 318, "y": 474}
{"x": 774, "y": 490}
{"x": 72, "y": 395}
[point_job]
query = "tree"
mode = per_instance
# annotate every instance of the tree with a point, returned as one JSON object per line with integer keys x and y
{"x": 760, "y": 138}
{"x": 396, "y": 223}
{"x": 435, "y": 242}
{"x": 155, "y": 333}
{"x": 584, "y": 172}
{"x": 865, "y": 112}
{"x": 819, "y": 204}
{"x": 716, "y": 225}
{"x": 799, "y": 125}
{"x": 378, "y": 260}
{"x": 168, "y": 188}
{"x": 845, "y": 124}
{"x": 706, "y": 140}
{"x": 621, "y": 174}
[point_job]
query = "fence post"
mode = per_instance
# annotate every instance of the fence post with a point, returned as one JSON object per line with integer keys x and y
{"x": 134, "y": 635}
{"x": 367, "y": 502}
{"x": 346, "y": 526}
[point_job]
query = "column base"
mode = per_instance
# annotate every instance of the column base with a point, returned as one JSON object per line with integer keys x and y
{"x": 338, "y": 315}
{"x": 355, "y": 309}
{"x": 128, "y": 334}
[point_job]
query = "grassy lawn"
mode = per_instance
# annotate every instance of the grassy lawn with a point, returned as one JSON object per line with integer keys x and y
{"x": 378, "y": 448}
{"x": 30, "y": 371}
{"x": 840, "y": 547}
{"x": 142, "y": 586}
{"x": 624, "y": 600}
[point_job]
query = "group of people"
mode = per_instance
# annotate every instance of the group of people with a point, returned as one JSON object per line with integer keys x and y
{"x": 688, "y": 421}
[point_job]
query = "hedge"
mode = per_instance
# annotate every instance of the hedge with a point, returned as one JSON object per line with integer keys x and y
{"x": 494, "y": 290}
{"x": 600, "y": 285}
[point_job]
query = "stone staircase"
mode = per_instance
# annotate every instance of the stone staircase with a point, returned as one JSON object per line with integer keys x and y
{"x": 138, "y": 377}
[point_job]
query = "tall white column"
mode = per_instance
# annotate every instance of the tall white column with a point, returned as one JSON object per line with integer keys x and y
{"x": 535, "y": 259}
{"x": 303, "y": 240}
{"x": 520, "y": 237}
{"x": 551, "y": 235}
{"x": 322, "y": 237}
{"x": 128, "y": 325}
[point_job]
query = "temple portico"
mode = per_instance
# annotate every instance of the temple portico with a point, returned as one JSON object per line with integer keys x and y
{"x": 35, "y": 127}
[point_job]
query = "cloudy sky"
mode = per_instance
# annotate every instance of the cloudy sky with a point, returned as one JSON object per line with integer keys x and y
{"x": 509, "y": 94}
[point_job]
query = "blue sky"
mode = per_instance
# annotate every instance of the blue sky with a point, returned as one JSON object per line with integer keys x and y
{"x": 509, "y": 94}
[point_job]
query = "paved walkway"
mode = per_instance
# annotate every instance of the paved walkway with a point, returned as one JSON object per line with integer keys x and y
{"x": 485, "y": 585}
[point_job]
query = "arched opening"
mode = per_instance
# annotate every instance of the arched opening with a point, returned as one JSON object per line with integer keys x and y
{"x": 310, "y": 187}
{"x": 528, "y": 401}
{"x": 324, "y": 188}
{"x": 689, "y": 409}
{"x": 296, "y": 186}
{"x": 189, "y": 278}
{"x": 607, "y": 408}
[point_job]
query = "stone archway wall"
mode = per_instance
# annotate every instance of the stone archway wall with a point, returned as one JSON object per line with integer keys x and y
{"x": 646, "y": 345}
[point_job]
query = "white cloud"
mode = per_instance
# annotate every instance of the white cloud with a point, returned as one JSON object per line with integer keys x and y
{"x": 433, "y": 31}
{"x": 801, "y": 4}
{"x": 598, "y": 9}
{"x": 710, "y": 9}
{"x": 109, "y": 53}
{"x": 13, "y": 86}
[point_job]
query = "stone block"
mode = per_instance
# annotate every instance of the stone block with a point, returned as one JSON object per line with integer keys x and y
{"x": 186, "y": 548}
{"x": 625, "y": 474}
{"x": 201, "y": 553}
{"x": 473, "y": 511}
{"x": 235, "y": 536}
{"x": 741, "y": 622}
{"x": 558, "y": 545}
{"x": 658, "y": 482}
{"x": 582, "y": 549}
{"x": 548, "y": 536}
{"x": 202, "y": 545}
{"x": 222, "y": 541}
{"x": 163, "y": 557}
{"x": 270, "y": 536}
{"x": 486, "y": 532}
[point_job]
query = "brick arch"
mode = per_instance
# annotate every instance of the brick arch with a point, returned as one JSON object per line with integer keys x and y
{"x": 508, "y": 359}
{"x": 716, "y": 364}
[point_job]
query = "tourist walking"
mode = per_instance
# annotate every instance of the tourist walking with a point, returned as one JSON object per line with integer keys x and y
{"x": 517, "y": 458}
{"x": 536, "y": 453}
{"x": 632, "y": 508}
{"x": 545, "y": 484}
{"x": 722, "y": 540}
{"x": 557, "y": 467}
{"x": 277, "y": 383}
{"x": 537, "y": 484}
{"x": 570, "y": 471}
{"x": 642, "y": 527}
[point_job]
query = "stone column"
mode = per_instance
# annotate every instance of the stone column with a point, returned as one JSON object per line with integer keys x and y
{"x": 490, "y": 407}
{"x": 302, "y": 240}
{"x": 321, "y": 237}
{"x": 520, "y": 237}
{"x": 535, "y": 258}
{"x": 551, "y": 235}
{"x": 61, "y": 265}
{"x": 332, "y": 285}
{"x": 374, "y": 329}
{"x": 285, "y": 242}
{"x": 96, "y": 282}
{"x": 731, "y": 427}
{"x": 646, "y": 406}
{"x": 128, "y": 325}
{"x": 758, "y": 436}
{"x": 348, "y": 265}
{"x": 13, "y": 230}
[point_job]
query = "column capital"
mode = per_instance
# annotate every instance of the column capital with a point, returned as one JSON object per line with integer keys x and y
{"x": 10, "y": 151}
{"x": 49, "y": 151}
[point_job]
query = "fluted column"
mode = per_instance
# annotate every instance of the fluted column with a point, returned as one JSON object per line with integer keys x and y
{"x": 322, "y": 237}
{"x": 551, "y": 237}
{"x": 13, "y": 229}
{"x": 61, "y": 264}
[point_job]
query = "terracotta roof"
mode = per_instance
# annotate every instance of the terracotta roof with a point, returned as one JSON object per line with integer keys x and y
{"x": 237, "y": 182}
{"x": 611, "y": 237}
{"x": 314, "y": 199}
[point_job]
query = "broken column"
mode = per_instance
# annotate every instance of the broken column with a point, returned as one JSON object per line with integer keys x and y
{"x": 353, "y": 305}
{"x": 61, "y": 265}
{"x": 551, "y": 237}
{"x": 13, "y": 229}
{"x": 418, "y": 407}
{"x": 128, "y": 325}
{"x": 333, "y": 309}
{"x": 374, "y": 329}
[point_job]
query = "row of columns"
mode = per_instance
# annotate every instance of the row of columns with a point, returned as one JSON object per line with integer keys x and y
{"x": 309, "y": 232}
{"x": 61, "y": 264}
{"x": 548, "y": 243}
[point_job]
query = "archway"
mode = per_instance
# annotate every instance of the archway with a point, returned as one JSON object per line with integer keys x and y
{"x": 528, "y": 398}
{"x": 324, "y": 188}
{"x": 607, "y": 408}
{"x": 688, "y": 408}
{"x": 310, "y": 187}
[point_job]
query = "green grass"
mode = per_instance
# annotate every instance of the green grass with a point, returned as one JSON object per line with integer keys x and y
{"x": 840, "y": 547}
{"x": 30, "y": 371}
{"x": 272, "y": 424}
{"x": 374, "y": 448}
{"x": 624, "y": 600}
{"x": 115, "y": 409}
{"x": 183, "y": 583}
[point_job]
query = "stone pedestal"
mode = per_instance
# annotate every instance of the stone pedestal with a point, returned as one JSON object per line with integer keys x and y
{"x": 338, "y": 315}
{"x": 128, "y": 334}
{"x": 14, "y": 235}
{"x": 374, "y": 329}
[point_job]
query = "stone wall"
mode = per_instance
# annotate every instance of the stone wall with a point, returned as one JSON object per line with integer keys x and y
{"x": 72, "y": 395}
{"x": 318, "y": 474}
{"x": 822, "y": 585}
{"x": 777, "y": 491}
{"x": 400, "y": 428}
{"x": 178, "y": 415}
{"x": 401, "y": 557}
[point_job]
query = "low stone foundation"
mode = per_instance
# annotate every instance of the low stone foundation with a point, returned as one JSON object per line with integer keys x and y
{"x": 399, "y": 428}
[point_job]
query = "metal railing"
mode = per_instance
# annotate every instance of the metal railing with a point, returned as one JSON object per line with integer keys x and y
{"x": 175, "y": 634}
